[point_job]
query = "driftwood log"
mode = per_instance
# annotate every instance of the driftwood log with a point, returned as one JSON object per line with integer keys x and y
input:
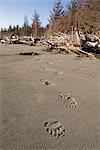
{"x": 29, "y": 53}
{"x": 70, "y": 48}
{"x": 26, "y": 53}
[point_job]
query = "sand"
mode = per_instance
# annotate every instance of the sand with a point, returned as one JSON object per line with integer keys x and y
{"x": 27, "y": 103}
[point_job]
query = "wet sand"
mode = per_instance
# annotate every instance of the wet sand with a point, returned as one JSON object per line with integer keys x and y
{"x": 26, "y": 102}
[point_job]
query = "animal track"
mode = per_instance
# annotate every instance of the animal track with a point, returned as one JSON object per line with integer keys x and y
{"x": 69, "y": 101}
{"x": 46, "y": 82}
{"x": 54, "y": 128}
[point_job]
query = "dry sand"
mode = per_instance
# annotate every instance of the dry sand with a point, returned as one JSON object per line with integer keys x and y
{"x": 27, "y": 103}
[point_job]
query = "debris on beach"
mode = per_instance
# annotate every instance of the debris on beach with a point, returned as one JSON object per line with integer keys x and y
{"x": 80, "y": 44}
{"x": 29, "y": 53}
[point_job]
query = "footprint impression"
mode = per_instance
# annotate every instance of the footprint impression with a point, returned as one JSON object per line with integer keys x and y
{"x": 68, "y": 100}
{"x": 46, "y": 82}
{"x": 54, "y": 128}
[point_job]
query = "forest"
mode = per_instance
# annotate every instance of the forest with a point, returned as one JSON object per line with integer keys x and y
{"x": 83, "y": 14}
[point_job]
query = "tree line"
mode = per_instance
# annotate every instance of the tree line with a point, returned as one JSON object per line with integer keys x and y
{"x": 83, "y": 14}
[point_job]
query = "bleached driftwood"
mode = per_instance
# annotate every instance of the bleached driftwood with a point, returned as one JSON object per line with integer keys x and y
{"x": 78, "y": 51}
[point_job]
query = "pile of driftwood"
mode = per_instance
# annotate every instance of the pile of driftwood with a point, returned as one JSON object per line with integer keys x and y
{"x": 77, "y": 43}
{"x": 5, "y": 40}
{"x": 15, "y": 39}
{"x": 87, "y": 45}
{"x": 55, "y": 40}
{"x": 32, "y": 41}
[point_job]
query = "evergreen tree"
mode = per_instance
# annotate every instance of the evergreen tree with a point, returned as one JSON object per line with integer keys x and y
{"x": 1, "y": 30}
{"x": 57, "y": 11}
{"x": 72, "y": 10}
{"x": 36, "y": 24}
{"x": 17, "y": 28}
{"x": 10, "y": 28}
{"x": 25, "y": 26}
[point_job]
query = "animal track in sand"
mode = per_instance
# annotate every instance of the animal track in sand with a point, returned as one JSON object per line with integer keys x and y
{"x": 68, "y": 100}
{"x": 55, "y": 128}
{"x": 46, "y": 82}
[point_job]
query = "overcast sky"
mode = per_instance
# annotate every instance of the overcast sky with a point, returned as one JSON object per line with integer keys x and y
{"x": 12, "y": 12}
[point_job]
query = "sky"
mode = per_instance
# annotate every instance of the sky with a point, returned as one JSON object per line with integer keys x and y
{"x": 12, "y": 12}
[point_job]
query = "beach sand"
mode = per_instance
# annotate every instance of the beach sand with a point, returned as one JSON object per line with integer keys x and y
{"x": 26, "y": 102}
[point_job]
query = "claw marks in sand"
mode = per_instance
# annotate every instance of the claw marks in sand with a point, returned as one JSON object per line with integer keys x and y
{"x": 54, "y": 128}
{"x": 68, "y": 100}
